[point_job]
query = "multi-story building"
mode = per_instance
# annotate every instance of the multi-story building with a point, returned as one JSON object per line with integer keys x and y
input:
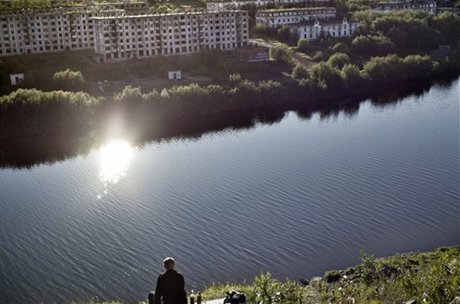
{"x": 427, "y": 6}
{"x": 277, "y": 17}
{"x": 125, "y": 37}
{"x": 238, "y": 4}
{"x": 453, "y": 10}
{"x": 314, "y": 30}
{"x": 49, "y": 30}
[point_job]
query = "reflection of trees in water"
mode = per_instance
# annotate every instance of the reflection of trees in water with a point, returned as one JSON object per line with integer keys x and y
{"x": 28, "y": 152}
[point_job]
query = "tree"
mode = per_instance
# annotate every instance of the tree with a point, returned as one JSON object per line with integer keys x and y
{"x": 448, "y": 24}
{"x": 69, "y": 80}
{"x": 284, "y": 34}
{"x": 299, "y": 72}
{"x": 323, "y": 72}
{"x": 338, "y": 60}
{"x": 281, "y": 53}
{"x": 351, "y": 75}
{"x": 369, "y": 45}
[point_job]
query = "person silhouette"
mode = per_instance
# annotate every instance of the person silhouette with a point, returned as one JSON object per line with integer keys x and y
{"x": 170, "y": 287}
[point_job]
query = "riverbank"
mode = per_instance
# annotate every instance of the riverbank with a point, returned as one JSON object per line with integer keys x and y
{"x": 64, "y": 140}
{"x": 415, "y": 277}
{"x": 34, "y": 113}
{"x": 426, "y": 277}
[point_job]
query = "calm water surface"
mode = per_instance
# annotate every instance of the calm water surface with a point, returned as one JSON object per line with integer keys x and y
{"x": 295, "y": 198}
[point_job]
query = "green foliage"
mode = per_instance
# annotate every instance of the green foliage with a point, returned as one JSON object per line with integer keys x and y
{"x": 366, "y": 45}
{"x": 30, "y": 112}
{"x": 323, "y": 72}
{"x": 216, "y": 290}
{"x": 340, "y": 47}
{"x": 20, "y": 4}
{"x": 351, "y": 76}
{"x": 368, "y": 268}
{"x": 262, "y": 30}
{"x": 300, "y": 72}
{"x": 338, "y": 60}
{"x": 68, "y": 80}
{"x": 284, "y": 34}
{"x": 406, "y": 29}
{"x": 393, "y": 69}
{"x": 303, "y": 45}
{"x": 448, "y": 24}
{"x": 265, "y": 287}
{"x": 281, "y": 53}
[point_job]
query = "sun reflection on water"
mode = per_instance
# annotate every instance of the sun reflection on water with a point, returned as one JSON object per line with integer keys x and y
{"x": 114, "y": 158}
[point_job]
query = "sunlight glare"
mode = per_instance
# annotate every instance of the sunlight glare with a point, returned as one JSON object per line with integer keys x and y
{"x": 114, "y": 159}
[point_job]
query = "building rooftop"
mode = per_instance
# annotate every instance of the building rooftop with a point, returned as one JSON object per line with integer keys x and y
{"x": 165, "y": 14}
{"x": 293, "y": 9}
{"x": 322, "y": 22}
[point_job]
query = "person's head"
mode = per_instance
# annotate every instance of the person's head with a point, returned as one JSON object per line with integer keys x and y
{"x": 168, "y": 263}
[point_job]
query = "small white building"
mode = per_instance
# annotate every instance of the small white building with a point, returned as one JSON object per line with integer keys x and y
{"x": 275, "y": 18}
{"x": 174, "y": 75}
{"x": 16, "y": 78}
{"x": 333, "y": 28}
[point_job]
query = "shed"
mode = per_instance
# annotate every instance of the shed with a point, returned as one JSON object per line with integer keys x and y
{"x": 16, "y": 78}
{"x": 174, "y": 75}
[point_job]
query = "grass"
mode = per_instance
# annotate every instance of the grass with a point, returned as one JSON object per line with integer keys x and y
{"x": 430, "y": 277}
{"x": 148, "y": 73}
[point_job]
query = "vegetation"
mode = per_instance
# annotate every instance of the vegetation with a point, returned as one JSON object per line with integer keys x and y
{"x": 30, "y": 112}
{"x": 69, "y": 80}
{"x": 432, "y": 277}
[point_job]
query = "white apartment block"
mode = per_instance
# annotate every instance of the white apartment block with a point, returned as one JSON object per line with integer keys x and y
{"x": 236, "y": 4}
{"x": 126, "y": 37}
{"x": 49, "y": 30}
{"x": 316, "y": 29}
{"x": 277, "y": 17}
{"x": 427, "y": 6}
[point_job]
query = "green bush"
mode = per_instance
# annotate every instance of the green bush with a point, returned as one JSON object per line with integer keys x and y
{"x": 281, "y": 53}
{"x": 338, "y": 60}
{"x": 69, "y": 80}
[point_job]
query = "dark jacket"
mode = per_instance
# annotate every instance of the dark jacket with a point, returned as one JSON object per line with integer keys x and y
{"x": 170, "y": 288}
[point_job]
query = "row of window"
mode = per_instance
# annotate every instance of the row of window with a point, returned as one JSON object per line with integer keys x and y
{"x": 166, "y": 51}
{"x": 129, "y": 44}
{"x": 295, "y": 13}
{"x": 7, "y": 51}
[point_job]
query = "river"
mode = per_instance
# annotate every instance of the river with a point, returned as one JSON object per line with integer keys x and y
{"x": 296, "y": 196}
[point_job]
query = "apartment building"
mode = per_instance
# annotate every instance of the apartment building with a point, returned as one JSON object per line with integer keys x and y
{"x": 314, "y": 30}
{"x": 32, "y": 31}
{"x": 238, "y": 4}
{"x": 427, "y": 6}
{"x": 277, "y": 17}
{"x": 125, "y": 37}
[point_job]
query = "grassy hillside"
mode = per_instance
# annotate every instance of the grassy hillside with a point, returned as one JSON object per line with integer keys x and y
{"x": 429, "y": 277}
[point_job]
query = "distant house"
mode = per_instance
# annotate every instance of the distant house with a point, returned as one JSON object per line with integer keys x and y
{"x": 253, "y": 54}
{"x": 174, "y": 75}
{"x": 427, "y": 6}
{"x": 333, "y": 28}
{"x": 238, "y": 4}
{"x": 275, "y": 18}
{"x": 16, "y": 78}
{"x": 453, "y": 10}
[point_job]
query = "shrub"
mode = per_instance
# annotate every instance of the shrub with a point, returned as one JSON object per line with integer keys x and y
{"x": 281, "y": 53}
{"x": 68, "y": 80}
{"x": 338, "y": 60}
